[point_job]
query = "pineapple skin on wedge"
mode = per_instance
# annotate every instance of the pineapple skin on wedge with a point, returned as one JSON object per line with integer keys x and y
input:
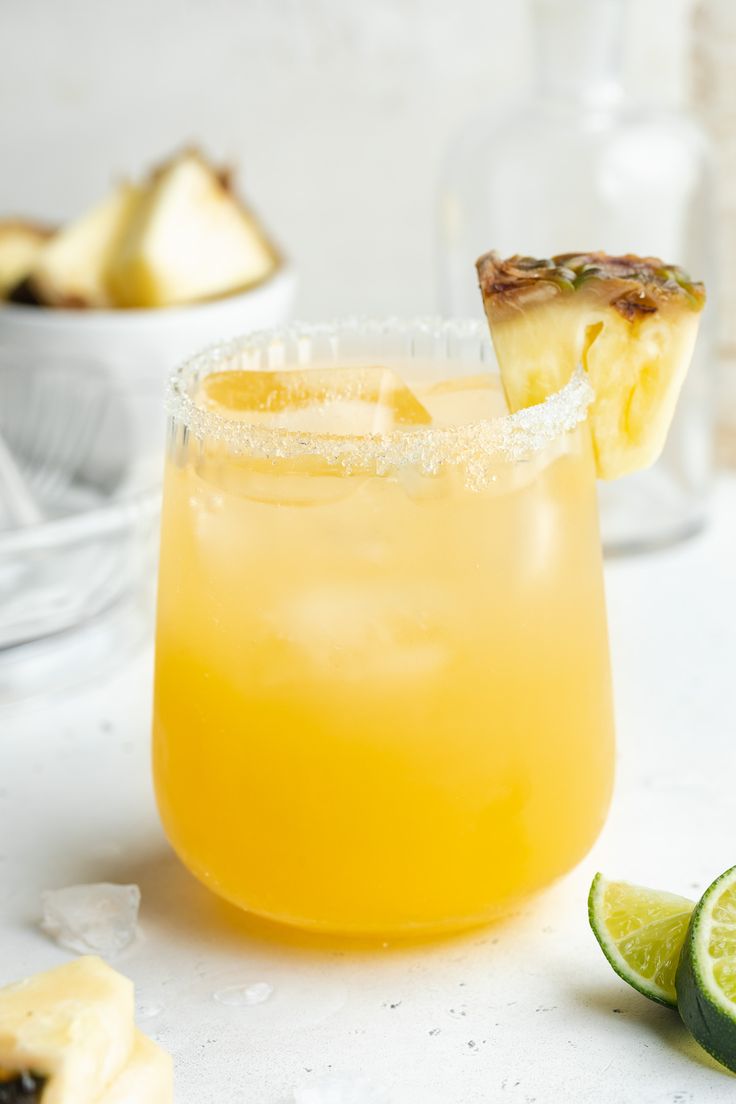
{"x": 189, "y": 239}
{"x": 631, "y": 322}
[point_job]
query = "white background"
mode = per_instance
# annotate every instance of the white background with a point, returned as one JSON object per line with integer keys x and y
{"x": 336, "y": 111}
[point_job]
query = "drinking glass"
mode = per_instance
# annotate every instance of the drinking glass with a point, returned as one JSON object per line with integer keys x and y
{"x": 382, "y": 699}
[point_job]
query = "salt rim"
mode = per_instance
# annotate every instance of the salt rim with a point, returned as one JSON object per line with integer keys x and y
{"x": 509, "y": 438}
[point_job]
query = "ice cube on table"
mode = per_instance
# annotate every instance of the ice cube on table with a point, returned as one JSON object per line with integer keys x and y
{"x": 100, "y": 918}
{"x": 350, "y": 400}
{"x": 342, "y": 1089}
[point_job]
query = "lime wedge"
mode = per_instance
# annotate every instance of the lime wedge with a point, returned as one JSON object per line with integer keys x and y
{"x": 706, "y": 977}
{"x": 641, "y": 932}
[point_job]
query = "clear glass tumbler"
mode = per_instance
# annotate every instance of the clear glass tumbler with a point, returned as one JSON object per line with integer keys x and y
{"x": 382, "y": 697}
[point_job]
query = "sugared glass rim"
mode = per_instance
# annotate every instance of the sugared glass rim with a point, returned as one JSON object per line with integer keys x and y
{"x": 507, "y": 438}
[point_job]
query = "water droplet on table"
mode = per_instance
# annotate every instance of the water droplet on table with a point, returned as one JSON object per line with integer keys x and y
{"x": 244, "y": 996}
{"x": 291, "y": 998}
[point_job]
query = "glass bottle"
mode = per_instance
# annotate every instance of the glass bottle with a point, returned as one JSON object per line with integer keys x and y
{"x": 714, "y": 49}
{"x": 580, "y": 165}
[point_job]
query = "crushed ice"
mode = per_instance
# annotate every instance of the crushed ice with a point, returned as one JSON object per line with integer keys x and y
{"x": 244, "y": 996}
{"x": 342, "y": 1089}
{"x": 98, "y": 919}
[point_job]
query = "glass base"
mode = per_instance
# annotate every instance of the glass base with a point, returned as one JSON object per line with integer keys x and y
{"x": 647, "y": 511}
{"x": 405, "y": 932}
{"x": 354, "y": 930}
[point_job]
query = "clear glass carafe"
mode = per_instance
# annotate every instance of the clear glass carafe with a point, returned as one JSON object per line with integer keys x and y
{"x": 580, "y": 165}
{"x": 714, "y": 49}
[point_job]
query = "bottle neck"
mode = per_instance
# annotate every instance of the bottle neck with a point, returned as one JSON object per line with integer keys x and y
{"x": 579, "y": 50}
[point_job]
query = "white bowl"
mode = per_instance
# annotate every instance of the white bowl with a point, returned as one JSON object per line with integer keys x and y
{"x": 81, "y": 413}
{"x": 155, "y": 340}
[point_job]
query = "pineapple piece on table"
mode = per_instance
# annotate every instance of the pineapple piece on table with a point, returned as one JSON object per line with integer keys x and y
{"x": 71, "y": 269}
{"x": 190, "y": 239}
{"x": 146, "y": 1078}
{"x": 631, "y": 322}
{"x": 20, "y": 244}
{"x": 67, "y": 1036}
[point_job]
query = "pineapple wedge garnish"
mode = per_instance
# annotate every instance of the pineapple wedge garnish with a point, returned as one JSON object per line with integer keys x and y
{"x": 71, "y": 270}
{"x": 20, "y": 244}
{"x": 189, "y": 239}
{"x": 631, "y": 322}
{"x": 67, "y": 1036}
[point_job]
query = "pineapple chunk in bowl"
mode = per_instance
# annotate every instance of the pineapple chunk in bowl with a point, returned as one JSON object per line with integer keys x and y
{"x": 149, "y": 275}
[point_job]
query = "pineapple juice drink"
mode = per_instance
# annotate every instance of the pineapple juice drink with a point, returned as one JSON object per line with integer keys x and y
{"x": 382, "y": 682}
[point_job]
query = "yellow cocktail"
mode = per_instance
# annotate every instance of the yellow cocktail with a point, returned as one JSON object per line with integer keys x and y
{"x": 383, "y": 698}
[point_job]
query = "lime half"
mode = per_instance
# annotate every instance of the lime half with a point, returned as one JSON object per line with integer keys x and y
{"x": 706, "y": 977}
{"x": 641, "y": 932}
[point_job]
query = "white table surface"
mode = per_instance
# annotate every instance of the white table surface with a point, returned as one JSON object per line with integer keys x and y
{"x": 524, "y": 1011}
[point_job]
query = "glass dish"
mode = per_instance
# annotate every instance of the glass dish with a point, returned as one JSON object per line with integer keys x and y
{"x": 382, "y": 695}
{"x": 86, "y": 449}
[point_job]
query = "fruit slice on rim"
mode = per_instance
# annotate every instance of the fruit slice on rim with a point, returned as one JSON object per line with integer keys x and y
{"x": 641, "y": 932}
{"x": 630, "y": 321}
{"x": 356, "y": 400}
{"x": 706, "y": 977}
